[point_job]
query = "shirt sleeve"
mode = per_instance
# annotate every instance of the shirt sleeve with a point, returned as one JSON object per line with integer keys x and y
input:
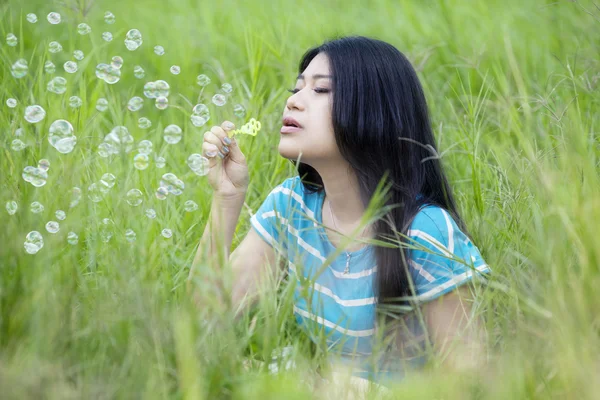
{"x": 442, "y": 257}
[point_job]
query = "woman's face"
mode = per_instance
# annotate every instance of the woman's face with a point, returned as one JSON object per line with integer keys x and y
{"x": 311, "y": 107}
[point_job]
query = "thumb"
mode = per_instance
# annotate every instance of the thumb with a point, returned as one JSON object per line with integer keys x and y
{"x": 235, "y": 154}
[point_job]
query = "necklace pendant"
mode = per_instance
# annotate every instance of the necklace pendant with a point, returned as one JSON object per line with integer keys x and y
{"x": 347, "y": 269}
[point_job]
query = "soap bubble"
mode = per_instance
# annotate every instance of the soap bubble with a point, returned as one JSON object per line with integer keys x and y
{"x": 134, "y": 197}
{"x": 117, "y": 62}
{"x": 144, "y": 123}
{"x": 166, "y": 233}
{"x": 200, "y": 109}
{"x": 11, "y": 207}
{"x": 219, "y": 100}
{"x": 101, "y": 70}
{"x": 135, "y": 104}
{"x": 162, "y": 88}
{"x": 75, "y": 197}
{"x": 19, "y": 132}
{"x": 36, "y": 176}
{"x": 70, "y": 67}
{"x": 226, "y": 88}
{"x": 198, "y": 121}
{"x": 239, "y": 111}
{"x": 200, "y": 115}
{"x": 159, "y": 50}
{"x": 130, "y": 235}
{"x": 102, "y": 104}
{"x": 172, "y": 134}
{"x": 190, "y": 206}
{"x": 107, "y": 182}
{"x": 145, "y": 147}
{"x": 161, "y": 102}
{"x": 78, "y": 55}
{"x": 173, "y": 184}
{"x": 113, "y": 75}
{"x": 54, "y": 47}
{"x": 52, "y": 227}
{"x": 60, "y": 215}
{"x": 19, "y": 69}
{"x": 83, "y": 29}
{"x": 141, "y": 161}
{"x": 72, "y": 238}
{"x": 12, "y": 103}
{"x": 119, "y": 139}
{"x": 106, "y": 230}
{"x": 17, "y": 145}
{"x": 133, "y": 39}
{"x": 139, "y": 72}
{"x": 109, "y": 18}
{"x": 31, "y": 18}
{"x": 94, "y": 192}
{"x": 161, "y": 193}
{"x": 61, "y": 136}
{"x": 44, "y": 164}
{"x": 107, "y": 36}
{"x": 34, "y": 114}
{"x": 198, "y": 164}
{"x": 54, "y": 18}
{"x": 36, "y": 207}
{"x": 49, "y": 67}
{"x": 202, "y": 80}
{"x": 160, "y": 162}
{"x": 57, "y": 85}
{"x": 150, "y": 213}
{"x": 75, "y": 102}
{"x": 11, "y": 40}
{"x": 175, "y": 69}
{"x": 150, "y": 90}
{"x": 33, "y": 242}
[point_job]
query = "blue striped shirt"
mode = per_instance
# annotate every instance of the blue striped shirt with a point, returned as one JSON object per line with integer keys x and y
{"x": 342, "y": 305}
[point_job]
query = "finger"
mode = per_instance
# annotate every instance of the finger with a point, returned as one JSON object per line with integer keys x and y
{"x": 222, "y": 132}
{"x": 213, "y": 138}
{"x": 210, "y": 151}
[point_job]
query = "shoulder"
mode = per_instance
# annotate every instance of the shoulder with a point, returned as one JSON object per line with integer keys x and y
{"x": 434, "y": 220}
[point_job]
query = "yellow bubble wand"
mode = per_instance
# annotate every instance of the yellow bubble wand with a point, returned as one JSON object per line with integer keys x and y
{"x": 251, "y": 128}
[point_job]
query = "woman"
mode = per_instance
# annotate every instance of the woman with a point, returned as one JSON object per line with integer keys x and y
{"x": 357, "y": 117}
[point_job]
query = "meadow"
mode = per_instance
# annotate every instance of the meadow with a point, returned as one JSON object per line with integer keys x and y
{"x": 514, "y": 92}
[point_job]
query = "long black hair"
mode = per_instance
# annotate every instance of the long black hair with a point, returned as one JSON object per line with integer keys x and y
{"x": 381, "y": 126}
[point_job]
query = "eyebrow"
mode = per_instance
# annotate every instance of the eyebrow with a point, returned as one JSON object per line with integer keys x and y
{"x": 315, "y": 76}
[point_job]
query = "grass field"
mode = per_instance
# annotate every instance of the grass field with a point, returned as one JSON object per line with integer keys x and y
{"x": 514, "y": 92}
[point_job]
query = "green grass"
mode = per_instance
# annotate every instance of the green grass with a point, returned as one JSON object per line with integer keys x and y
{"x": 514, "y": 91}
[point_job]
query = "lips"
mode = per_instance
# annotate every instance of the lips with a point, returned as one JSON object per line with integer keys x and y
{"x": 289, "y": 129}
{"x": 289, "y": 121}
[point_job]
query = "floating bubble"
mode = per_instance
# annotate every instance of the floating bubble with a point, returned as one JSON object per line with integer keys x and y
{"x": 19, "y": 132}
{"x": 190, "y": 206}
{"x": 145, "y": 147}
{"x": 57, "y": 85}
{"x": 219, "y": 100}
{"x": 78, "y": 55}
{"x": 101, "y": 70}
{"x": 11, "y": 103}
{"x": 70, "y": 67}
{"x": 117, "y": 62}
{"x": 239, "y": 111}
{"x": 75, "y": 197}
{"x": 144, "y": 123}
{"x": 75, "y": 102}
{"x": 166, "y": 233}
{"x": 102, "y": 104}
{"x": 49, "y": 67}
{"x": 61, "y": 136}
{"x": 11, "y": 207}
{"x": 109, "y": 18}
{"x": 119, "y": 140}
{"x": 54, "y": 47}
{"x": 107, "y": 36}
{"x": 44, "y": 164}
{"x": 161, "y": 193}
{"x": 54, "y": 18}
{"x": 36, "y": 207}
{"x": 200, "y": 115}
{"x": 34, "y": 114}
{"x": 19, "y": 69}
{"x": 133, "y": 39}
{"x": 159, "y": 50}
{"x": 72, "y": 238}
{"x": 150, "y": 213}
{"x": 31, "y": 18}
{"x": 202, "y": 80}
{"x": 139, "y": 72}
{"x": 94, "y": 192}
{"x": 226, "y": 88}
{"x": 162, "y": 88}
{"x": 198, "y": 164}
{"x": 130, "y": 235}
{"x": 134, "y": 197}
{"x": 17, "y": 145}
{"x": 11, "y": 40}
{"x": 36, "y": 176}
{"x": 161, "y": 103}
{"x": 160, "y": 162}
{"x": 60, "y": 215}
{"x": 150, "y": 90}
{"x": 198, "y": 121}
{"x": 201, "y": 109}
{"x": 113, "y": 75}
{"x": 172, "y": 183}
{"x": 33, "y": 242}
{"x": 175, "y": 69}
{"x": 135, "y": 104}
{"x": 52, "y": 227}
{"x": 172, "y": 134}
{"x": 106, "y": 230}
{"x": 84, "y": 29}
{"x": 141, "y": 161}
{"x": 107, "y": 182}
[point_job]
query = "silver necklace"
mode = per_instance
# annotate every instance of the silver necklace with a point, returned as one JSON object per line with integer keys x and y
{"x": 348, "y": 255}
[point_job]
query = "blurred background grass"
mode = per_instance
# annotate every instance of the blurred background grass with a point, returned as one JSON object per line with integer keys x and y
{"x": 513, "y": 87}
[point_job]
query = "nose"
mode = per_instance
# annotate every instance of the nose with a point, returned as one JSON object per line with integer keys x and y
{"x": 292, "y": 102}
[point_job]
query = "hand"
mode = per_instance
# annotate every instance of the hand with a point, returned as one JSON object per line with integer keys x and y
{"x": 228, "y": 171}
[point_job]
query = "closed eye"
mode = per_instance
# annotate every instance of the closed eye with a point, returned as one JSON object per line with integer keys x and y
{"x": 318, "y": 90}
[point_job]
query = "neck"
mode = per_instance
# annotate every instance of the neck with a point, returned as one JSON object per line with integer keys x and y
{"x": 342, "y": 192}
